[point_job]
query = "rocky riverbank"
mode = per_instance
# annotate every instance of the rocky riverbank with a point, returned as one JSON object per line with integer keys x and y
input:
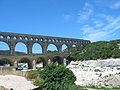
{"x": 15, "y": 82}
{"x": 104, "y": 73}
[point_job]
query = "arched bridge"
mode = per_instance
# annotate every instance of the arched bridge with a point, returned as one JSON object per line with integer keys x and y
{"x": 11, "y": 39}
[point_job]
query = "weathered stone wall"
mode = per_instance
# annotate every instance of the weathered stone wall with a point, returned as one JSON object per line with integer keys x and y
{"x": 13, "y": 38}
{"x": 4, "y": 69}
{"x": 12, "y": 71}
{"x": 29, "y": 40}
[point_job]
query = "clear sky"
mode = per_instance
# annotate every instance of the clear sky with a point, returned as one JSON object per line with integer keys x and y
{"x": 95, "y": 20}
{"x": 89, "y": 19}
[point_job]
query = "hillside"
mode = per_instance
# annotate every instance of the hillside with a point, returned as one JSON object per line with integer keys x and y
{"x": 98, "y": 50}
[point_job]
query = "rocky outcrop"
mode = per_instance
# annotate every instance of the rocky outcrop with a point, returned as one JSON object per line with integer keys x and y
{"x": 3, "y": 88}
{"x": 97, "y": 72}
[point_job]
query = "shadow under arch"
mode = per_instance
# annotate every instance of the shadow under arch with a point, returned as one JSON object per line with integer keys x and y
{"x": 26, "y": 60}
{"x": 20, "y": 48}
{"x": 36, "y": 48}
{"x": 69, "y": 59}
{"x": 40, "y": 60}
{"x": 52, "y": 48}
{"x": 57, "y": 59}
{"x": 5, "y": 62}
{"x": 4, "y": 48}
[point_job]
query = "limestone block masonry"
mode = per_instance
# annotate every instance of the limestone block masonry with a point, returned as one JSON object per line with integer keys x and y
{"x": 11, "y": 39}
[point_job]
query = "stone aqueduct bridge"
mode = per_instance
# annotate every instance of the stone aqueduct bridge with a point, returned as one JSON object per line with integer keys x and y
{"x": 11, "y": 39}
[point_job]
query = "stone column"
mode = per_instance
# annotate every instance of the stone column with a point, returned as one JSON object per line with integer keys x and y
{"x": 69, "y": 49}
{"x": 49, "y": 61}
{"x": 12, "y": 50}
{"x": 59, "y": 47}
{"x": 15, "y": 64}
{"x": 64, "y": 61}
{"x": 34, "y": 64}
{"x": 44, "y": 49}
{"x": 29, "y": 49}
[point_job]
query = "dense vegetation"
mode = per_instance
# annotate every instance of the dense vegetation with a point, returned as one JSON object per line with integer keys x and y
{"x": 56, "y": 77}
{"x": 98, "y": 50}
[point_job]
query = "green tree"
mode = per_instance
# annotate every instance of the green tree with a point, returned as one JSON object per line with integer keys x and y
{"x": 55, "y": 77}
{"x": 98, "y": 50}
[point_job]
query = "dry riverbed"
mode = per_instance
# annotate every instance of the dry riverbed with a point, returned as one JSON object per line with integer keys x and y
{"x": 104, "y": 73}
{"x": 15, "y": 82}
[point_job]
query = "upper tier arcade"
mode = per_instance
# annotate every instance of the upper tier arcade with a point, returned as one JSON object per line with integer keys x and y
{"x": 13, "y": 38}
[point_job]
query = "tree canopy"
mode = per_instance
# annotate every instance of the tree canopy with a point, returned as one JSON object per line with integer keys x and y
{"x": 98, "y": 50}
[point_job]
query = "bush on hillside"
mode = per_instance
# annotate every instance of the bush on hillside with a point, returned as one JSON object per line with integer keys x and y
{"x": 98, "y": 50}
{"x": 55, "y": 77}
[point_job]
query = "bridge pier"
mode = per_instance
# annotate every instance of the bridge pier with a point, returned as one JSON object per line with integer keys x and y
{"x": 15, "y": 64}
{"x": 59, "y": 48}
{"x": 34, "y": 64}
{"x": 49, "y": 61}
{"x": 69, "y": 49}
{"x": 12, "y": 50}
{"x": 64, "y": 61}
{"x": 11, "y": 39}
{"x": 29, "y": 49}
{"x": 44, "y": 49}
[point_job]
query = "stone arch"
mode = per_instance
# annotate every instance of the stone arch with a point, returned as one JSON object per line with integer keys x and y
{"x": 4, "y": 48}
{"x": 26, "y": 38}
{"x": 21, "y": 47}
{"x": 8, "y": 37}
{"x": 64, "y": 48}
{"x": 52, "y": 48}
{"x": 15, "y": 37}
{"x": 74, "y": 47}
{"x": 26, "y": 62}
{"x": 5, "y": 62}
{"x": 36, "y": 48}
{"x": 1, "y": 36}
{"x": 57, "y": 59}
{"x": 69, "y": 59}
{"x": 21, "y": 38}
{"x": 40, "y": 62}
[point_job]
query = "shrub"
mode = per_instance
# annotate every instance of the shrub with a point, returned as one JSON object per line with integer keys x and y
{"x": 55, "y": 77}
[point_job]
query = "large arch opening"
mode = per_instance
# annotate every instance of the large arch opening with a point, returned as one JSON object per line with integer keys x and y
{"x": 5, "y": 62}
{"x": 4, "y": 48}
{"x": 40, "y": 62}
{"x": 58, "y": 59}
{"x": 69, "y": 59}
{"x": 36, "y": 48}
{"x": 64, "y": 48}
{"x": 74, "y": 47}
{"x": 20, "y": 48}
{"x": 24, "y": 64}
{"x": 52, "y": 48}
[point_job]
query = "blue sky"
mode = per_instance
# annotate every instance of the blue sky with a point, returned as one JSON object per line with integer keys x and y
{"x": 94, "y": 20}
{"x": 88, "y": 19}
